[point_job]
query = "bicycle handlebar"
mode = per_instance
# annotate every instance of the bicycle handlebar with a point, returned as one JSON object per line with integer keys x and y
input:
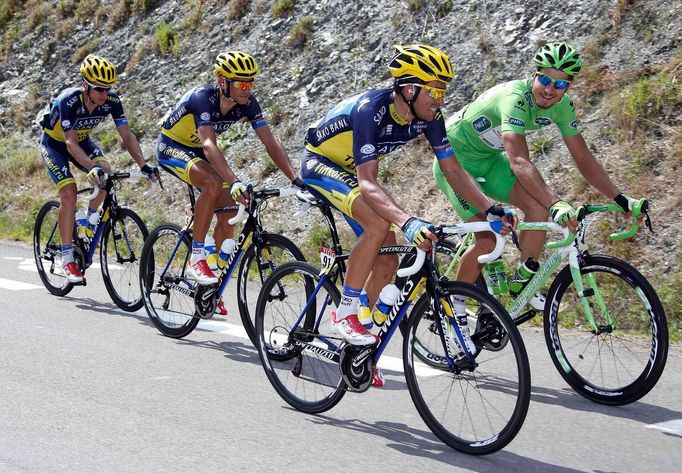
{"x": 640, "y": 207}
{"x": 550, "y": 226}
{"x": 307, "y": 201}
{"x": 282, "y": 192}
{"x": 459, "y": 229}
{"x": 121, "y": 175}
{"x": 474, "y": 227}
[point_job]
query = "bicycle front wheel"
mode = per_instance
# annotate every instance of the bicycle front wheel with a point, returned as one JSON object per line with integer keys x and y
{"x": 479, "y": 408}
{"x": 621, "y": 359}
{"x": 256, "y": 265}
{"x": 47, "y": 250}
{"x": 298, "y": 352}
{"x": 167, "y": 294}
{"x": 119, "y": 254}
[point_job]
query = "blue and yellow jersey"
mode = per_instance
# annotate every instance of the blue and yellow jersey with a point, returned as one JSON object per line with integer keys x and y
{"x": 200, "y": 107}
{"x": 68, "y": 113}
{"x": 367, "y": 126}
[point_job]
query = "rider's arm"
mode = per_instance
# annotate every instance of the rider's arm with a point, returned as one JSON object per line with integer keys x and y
{"x": 214, "y": 155}
{"x": 131, "y": 144}
{"x": 376, "y": 197}
{"x": 463, "y": 184}
{"x": 276, "y": 151}
{"x": 75, "y": 150}
{"x": 525, "y": 171}
{"x": 589, "y": 167}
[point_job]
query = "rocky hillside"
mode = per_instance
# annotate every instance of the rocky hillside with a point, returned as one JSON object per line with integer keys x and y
{"x": 314, "y": 52}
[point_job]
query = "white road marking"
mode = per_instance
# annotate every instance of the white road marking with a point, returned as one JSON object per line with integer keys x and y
{"x": 17, "y": 285}
{"x": 673, "y": 427}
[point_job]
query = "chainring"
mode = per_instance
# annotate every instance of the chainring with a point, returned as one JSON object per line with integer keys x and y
{"x": 490, "y": 333}
{"x": 205, "y": 301}
{"x": 357, "y": 366}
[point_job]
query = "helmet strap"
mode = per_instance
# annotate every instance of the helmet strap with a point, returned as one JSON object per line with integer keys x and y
{"x": 410, "y": 103}
{"x": 225, "y": 92}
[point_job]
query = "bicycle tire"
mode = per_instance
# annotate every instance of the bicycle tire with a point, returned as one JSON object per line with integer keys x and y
{"x": 498, "y": 385}
{"x": 250, "y": 273}
{"x": 301, "y": 374}
{"x": 120, "y": 251}
{"x": 47, "y": 250}
{"x": 168, "y": 303}
{"x": 622, "y": 364}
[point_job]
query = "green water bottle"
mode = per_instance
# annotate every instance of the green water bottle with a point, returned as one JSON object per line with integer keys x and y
{"x": 523, "y": 274}
{"x": 495, "y": 277}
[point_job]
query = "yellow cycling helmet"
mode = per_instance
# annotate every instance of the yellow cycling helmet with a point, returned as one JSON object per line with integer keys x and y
{"x": 422, "y": 62}
{"x": 236, "y": 65}
{"x": 98, "y": 71}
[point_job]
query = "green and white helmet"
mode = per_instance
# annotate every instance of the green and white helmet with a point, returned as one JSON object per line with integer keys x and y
{"x": 560, "y": 56}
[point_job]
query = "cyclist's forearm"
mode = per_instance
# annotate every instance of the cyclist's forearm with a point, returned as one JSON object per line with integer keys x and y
{"x": 133, "y": 147}
{"x": 79, "y": 155}
{"x": 597, "y": 176}
{"x": 281, "y": 160}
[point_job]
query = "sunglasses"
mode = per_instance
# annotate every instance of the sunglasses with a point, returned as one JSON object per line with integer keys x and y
{"x": 242, "y": 85}
{"x": 558, "y": 84}
{"x": 434, "y": 92}
{"x": 98, "y": 88}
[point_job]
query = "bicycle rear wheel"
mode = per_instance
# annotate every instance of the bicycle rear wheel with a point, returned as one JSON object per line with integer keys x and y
{"x": 481, "y": 408}
{"x": 255, "y": 268}
{"x": 47, "y": 250}
{"x": 302, "y": 363}
{"x": 122, "y": 242}
{"x": 622, "y": 361}
{"x": 167, "y": 294}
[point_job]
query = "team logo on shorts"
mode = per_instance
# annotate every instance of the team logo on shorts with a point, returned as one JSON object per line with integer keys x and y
{"x": 368, "y": 149}
{"x": 311, "y": 163}
{"x": 162, "y": 146}
{"x": 205, "y": 116}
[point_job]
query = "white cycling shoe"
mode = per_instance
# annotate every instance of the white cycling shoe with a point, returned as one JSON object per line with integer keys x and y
{"x": 352, "y": 331}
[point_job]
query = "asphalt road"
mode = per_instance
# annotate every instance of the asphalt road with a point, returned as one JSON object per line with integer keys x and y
{"x": 85, "y": 387}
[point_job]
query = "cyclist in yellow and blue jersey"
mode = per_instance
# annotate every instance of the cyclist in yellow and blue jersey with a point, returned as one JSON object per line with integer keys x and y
{"x": 66, "y": 139}
{"x": 187, "y": 148}
{"x": 340, "y": 165}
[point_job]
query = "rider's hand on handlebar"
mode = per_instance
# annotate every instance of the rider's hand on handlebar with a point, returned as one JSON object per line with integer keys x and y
{"x": 418, "y": 232}
{"x": 497, "y": 212}
{"x": 239, "y": 193}
{"x": 152, "y": 172}
{"x": 94, "y": 175}
{"x": 298, "y": 182}
{"x": 564, "y": 214}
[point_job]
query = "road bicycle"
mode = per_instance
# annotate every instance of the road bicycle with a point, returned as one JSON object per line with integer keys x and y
{"x": 604, "y": 325}
{"x": 175, "y": 303}
{"x": 120, "y": 235}
{"x": 475, "y": 403}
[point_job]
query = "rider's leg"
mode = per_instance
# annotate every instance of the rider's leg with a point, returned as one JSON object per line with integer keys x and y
{"x": 383, "y": 271}
{"x": 469, "y": 268}
{"x": 223, "y": 230}
{"x": 531, "y": 242}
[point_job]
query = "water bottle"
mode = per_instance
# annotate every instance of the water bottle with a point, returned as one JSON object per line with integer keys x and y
{"x": 93, "y": 220}
{"x": 389, "y": 295}
{"x": 496, "y": 277}
{"x": 81, "y": 224}
{"x": 522, "y": 275}
{"x": 364, "y": 312}
{"x": 211, "y": 255}
{"x": 228, "y": 247}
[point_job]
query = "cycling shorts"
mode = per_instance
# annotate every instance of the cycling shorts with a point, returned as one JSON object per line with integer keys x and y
{"x": 496, "y": 174}
{"x": 333, "y": 184}
{"x": 178, "y": 159}
{"x": 56, "y": 157}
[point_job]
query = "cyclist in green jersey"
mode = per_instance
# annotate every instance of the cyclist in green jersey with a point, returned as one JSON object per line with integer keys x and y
{"x": 489, "y": 140}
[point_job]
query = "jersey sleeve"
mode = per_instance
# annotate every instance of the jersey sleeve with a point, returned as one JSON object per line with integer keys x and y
{"x": 68, "y": 112}
{"x": 117, "y": 113}
{"x": 254, "y": 113}
{"x": 200, "y": 107}
{"x": 365, "y": 132}
{"x": 438, "y": 138}
{"x": 565, "y": 117}
{"x": 514, "y": 113}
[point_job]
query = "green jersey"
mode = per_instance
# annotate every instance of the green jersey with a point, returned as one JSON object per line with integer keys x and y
{"x": 476, "y": 130}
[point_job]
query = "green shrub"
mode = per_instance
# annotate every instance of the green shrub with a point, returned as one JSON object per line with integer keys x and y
{"x": 167, "y": 39}
{"x": 302, "y": 32}
{"x": 283, "y": 8}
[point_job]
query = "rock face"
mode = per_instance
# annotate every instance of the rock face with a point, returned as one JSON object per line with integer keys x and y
{"x": 344, "y": 52}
